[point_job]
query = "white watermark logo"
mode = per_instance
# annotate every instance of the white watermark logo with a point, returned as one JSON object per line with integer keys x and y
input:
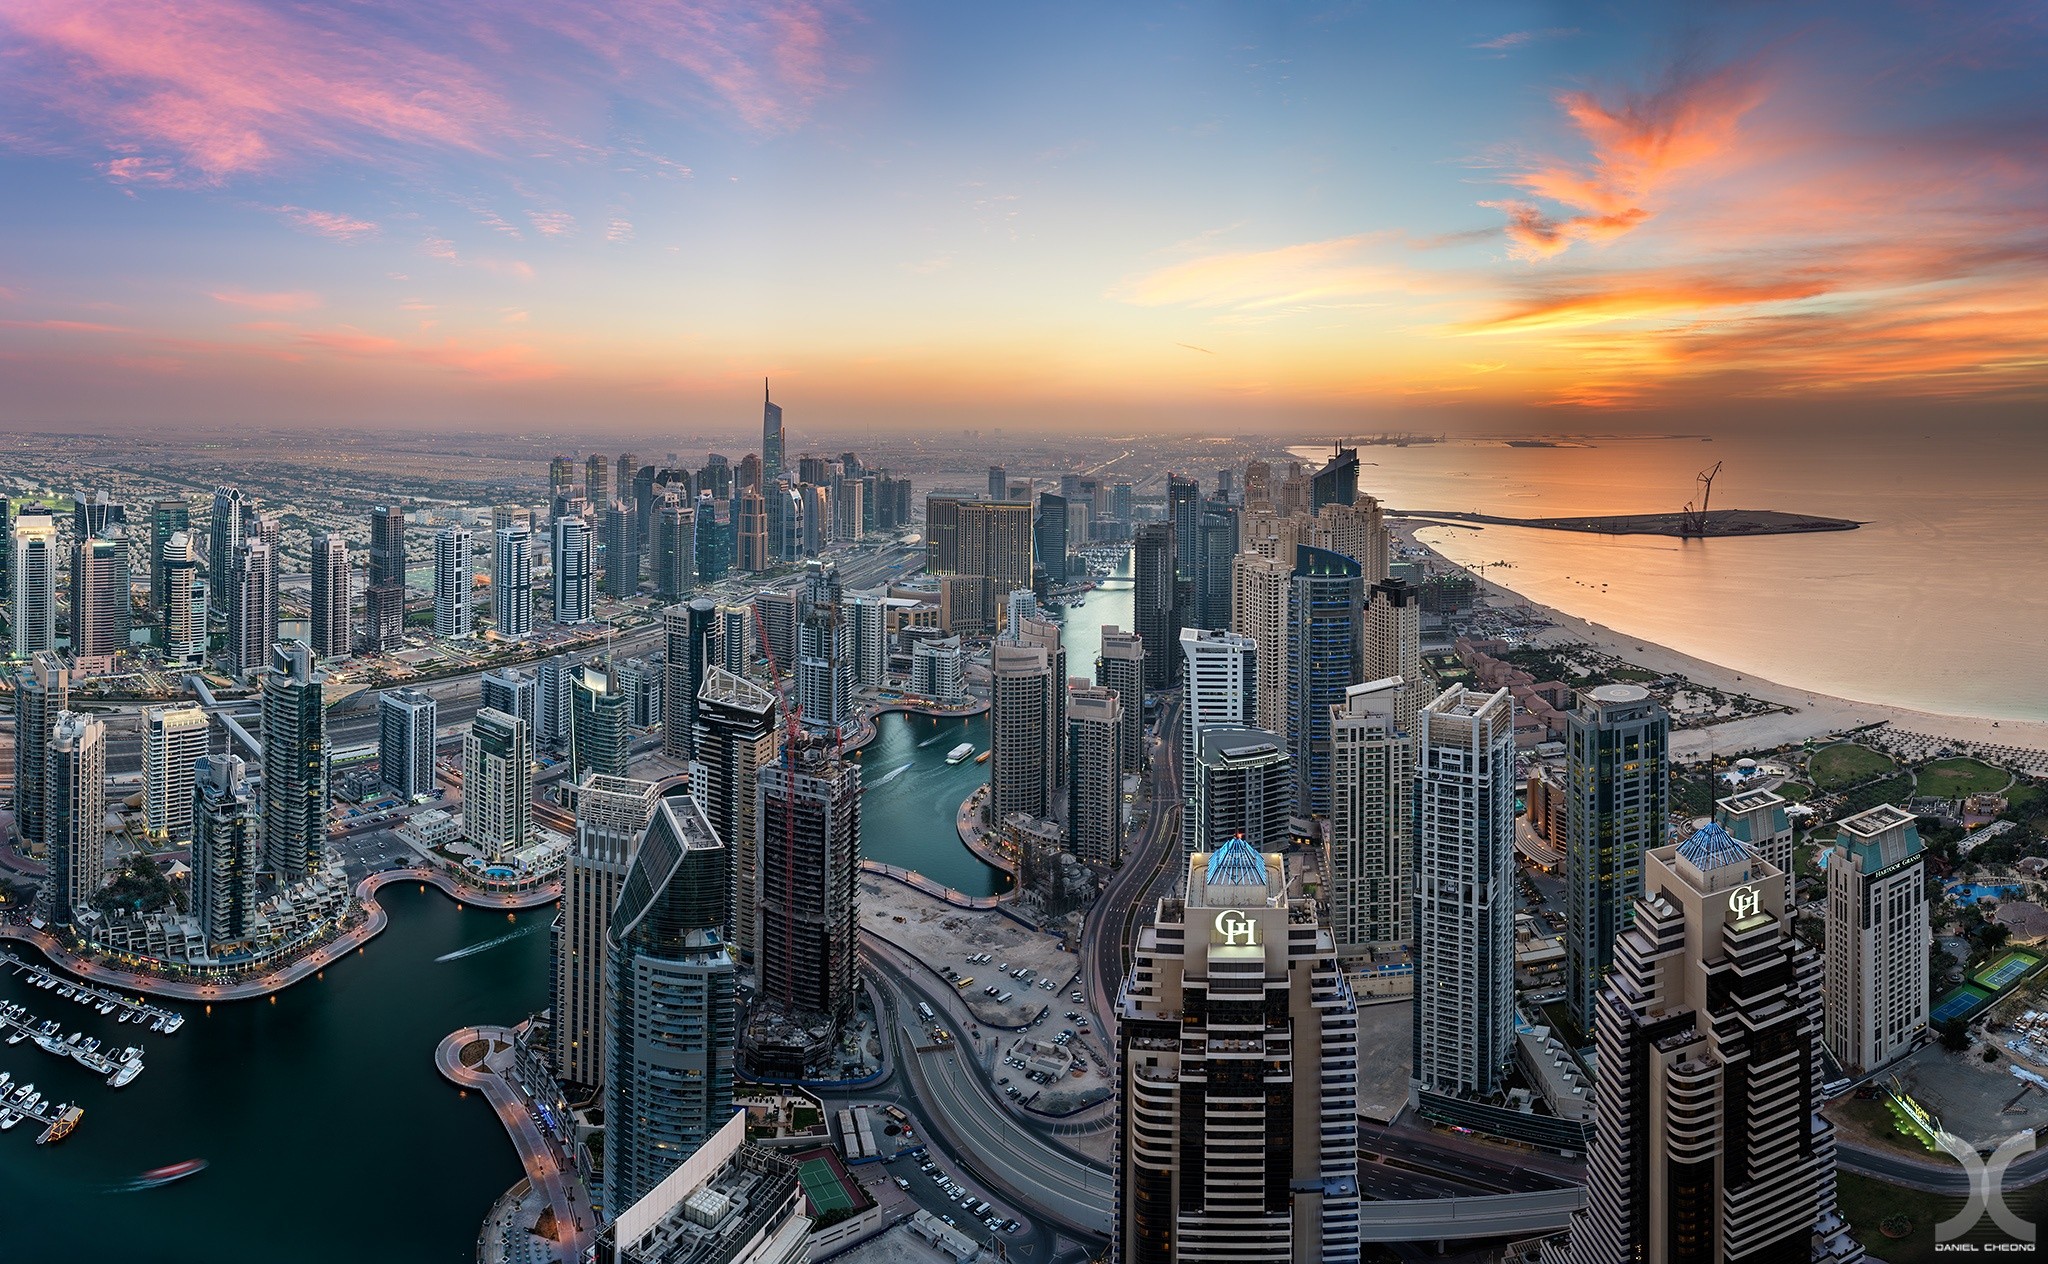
{"x": 1987, "y": 1189}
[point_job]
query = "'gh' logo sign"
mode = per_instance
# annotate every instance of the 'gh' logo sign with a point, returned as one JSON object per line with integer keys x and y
{"x": 1987, "y": 1187}
{"x": 1233, "y": 927}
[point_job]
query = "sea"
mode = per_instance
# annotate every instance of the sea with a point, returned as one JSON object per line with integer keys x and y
{"x": 1937, "y": 603}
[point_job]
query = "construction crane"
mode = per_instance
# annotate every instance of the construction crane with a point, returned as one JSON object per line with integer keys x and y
{"x": 1695, "y": 521}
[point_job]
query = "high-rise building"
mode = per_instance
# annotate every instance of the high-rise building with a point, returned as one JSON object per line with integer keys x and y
{"x": 75, "y": 813}
{"x": 824, "y": 669}
{"x": 512, "y": 581}
{"x": 1369, "y": 856}
{"x": 223, "y": 542}
{"x": 622, "y": 536}
{"x": 384, "y": 595}
{"x": 1152, "y": 608}
{"x": 675, "y": 547}
{"x": 1262, "y": 590}
{"x": 41, "y": 693}
{"x": 1243, "y": 788}
{"x": 184, "y": 608}
{"x": 1464, "y": 883}
{"x": 1095, "y": 781}
{"x": 1120, "y": 666}
{"x": 736, "y": 737}
{"x": 405, "y": 742}
{"x": 100, "y": 610}
{"x": 611, "y": 814}
{"x": 225, "y": 851}
{"x": 670, "y": 1030}
{"x": 173, "y": 741}
{"x": 1708, "y": 1145}
{"x": 1238, "y": 1044}
{"x": 1323, "y": 618}
{"x": 1219, "y": 690}
{"x": 1617, "y": 796}
{"x": 807, "y": 892}
{"x": 772, "y": 436}
{"x": 572, "y": 578}
{"x": 598, "y": 736}
{"x": 166, "y": 518}
{"x": 690, "y": 631}
{"x": 252, "y": 626}
{"x": 1758, "y": 819}
{"x": 1336, "y": 483}
{"x": 332, "y": 596}
{"x": 514, "y": 691}
{"x": 497, "y": 783}
{"x": 1875, "y": 981}
{"x": 1020, "y": 717}
{"x": 452, "y": 611}
{"x": 295, "y": 754}
{"x": 32, "y": 571}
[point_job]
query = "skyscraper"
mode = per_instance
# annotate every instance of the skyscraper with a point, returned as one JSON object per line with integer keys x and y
{"x": 184, "y": 607}
{"x": 690, "y": 631}
{"x": 223, "y": 542}
{"x": 1322, "y": 662}
{"x": 1875, "y": 981}
{"x": 41, "y": 693}
{"x": 166, "y": 518}
{"x": 1464, "y": 892}
{"x": 405, "y": 742}
{"x": 295, "y": 753}
{"x": 252, "y": 624}
{"x": 332, "y": 581}
{"x": 1095, "y": 782}
{"x": 736, "y": 737}
{"x": 452, "y": 611}
{"x": 772, "y": 436}
{"x": 1370, "y": 854}
{"x": 514, "y": 691}
{"x": 808, "y": 892}
{"x": 32, "y": 571}
{"x": 173, "y": 741}
{"x": 100, "y": 611}
{"x": 1238, "y": 1047}
{"x": 497, "y": 783}
{"x": 384, "y": 596}
{"x": 572, "y": 574}
{"x": 611, "y": 812}
{"x": 1152, "y": 607}
{"x": 1220, "y": 678}
{"x": 1121, "y": 667}
{"x": 622, "y": 536}
{"x": 671, "y": 1028}
{"x": 1707, "y": 1143}
{"x": 1243, "y": 788}
{"x": 75, "y": 813}
{"x": 1020, "y": 717}
{"x": 597, "y": 725}
{"x": 225, "y": 851}
{"x": 1618, "y": 793}
{"x": 512, "y": 581}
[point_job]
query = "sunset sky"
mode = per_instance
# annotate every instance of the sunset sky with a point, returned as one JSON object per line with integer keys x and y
{"x": 1363, "y": 216}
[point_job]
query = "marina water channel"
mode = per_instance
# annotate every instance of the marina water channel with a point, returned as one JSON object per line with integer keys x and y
{"x": 327, "y": 1132}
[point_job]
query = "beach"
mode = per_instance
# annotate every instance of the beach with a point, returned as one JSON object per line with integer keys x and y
{"x": 1812, "y": 714}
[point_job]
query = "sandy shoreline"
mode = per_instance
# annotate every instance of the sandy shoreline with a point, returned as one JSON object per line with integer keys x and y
{"x": 1813, "y": 714}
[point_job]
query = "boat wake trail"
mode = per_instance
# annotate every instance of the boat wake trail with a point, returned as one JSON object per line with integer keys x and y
{"x": 489, "y": 944}
{"x": 890, "y": 776}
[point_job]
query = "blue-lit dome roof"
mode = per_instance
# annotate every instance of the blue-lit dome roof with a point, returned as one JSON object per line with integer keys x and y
{"x": 1712, "y": 847}
{"x": 1235, "y": 864}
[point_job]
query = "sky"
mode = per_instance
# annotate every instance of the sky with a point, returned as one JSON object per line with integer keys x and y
{"x": 1360, "y": 217}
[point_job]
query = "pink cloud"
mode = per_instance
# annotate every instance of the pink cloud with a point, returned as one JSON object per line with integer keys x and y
{"x": 279, "y": 301}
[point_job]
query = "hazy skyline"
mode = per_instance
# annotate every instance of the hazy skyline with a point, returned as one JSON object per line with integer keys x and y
{"x": 1565, "y": 217}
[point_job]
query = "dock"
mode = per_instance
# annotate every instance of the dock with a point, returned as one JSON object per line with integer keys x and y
{"x": 129, "y": 1009}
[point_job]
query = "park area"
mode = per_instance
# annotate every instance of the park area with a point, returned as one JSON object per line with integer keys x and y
{"x": 1955, "y": 778}
{"x": 1846, "y": 764}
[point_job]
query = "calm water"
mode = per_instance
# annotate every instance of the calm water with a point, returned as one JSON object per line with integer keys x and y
{"x": 1935, "y": 604}
{"x": 329, "y": 1133}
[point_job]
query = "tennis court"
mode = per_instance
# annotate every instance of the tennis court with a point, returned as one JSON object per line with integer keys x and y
{"x": 823, "y": 1187}
{"x": 1960, "y": 1003}
{"x": 2006, "y": 971}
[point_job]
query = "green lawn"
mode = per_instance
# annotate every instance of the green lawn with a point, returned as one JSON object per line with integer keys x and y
{"x": 1845, "y": 764}
{"x": 1954, "y": 778}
